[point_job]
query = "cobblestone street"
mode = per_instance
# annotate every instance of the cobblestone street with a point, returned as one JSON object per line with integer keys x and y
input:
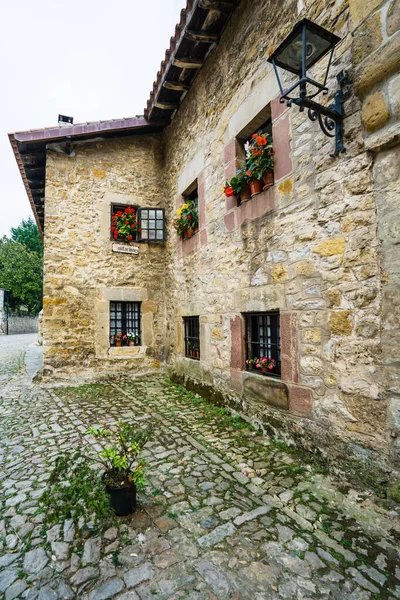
{"x": 226, "y": 513}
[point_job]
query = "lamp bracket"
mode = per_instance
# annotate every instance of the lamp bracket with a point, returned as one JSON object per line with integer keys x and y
{"x": 330, "y": 118}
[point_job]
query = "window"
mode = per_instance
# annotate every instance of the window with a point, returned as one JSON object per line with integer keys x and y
{"x": 263, "y": 341}
{"x": 118, "y": 210}
{"x": 261, "y": 122}
{"x": 264, "y": 128}
{"x": 125, "y": 318}
{"x": 193, "y": 197}
{"x": 151, "y": 223}
{"x": 192, "y": 337}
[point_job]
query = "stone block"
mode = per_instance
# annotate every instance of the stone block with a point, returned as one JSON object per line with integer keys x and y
{"x": 360, "y": 10}
{"x": 340, "y": 322}
{"x": 367, "y": 38}
{"x": 289, "y": 346}
{"x": 277, "y": 108}
{"x": 394, "y": 96}
{"x": 237, "y": 343}
{"x": 281, "y": 140}
{"x": 231, "y": 151}
{"x": 330, "y": 247}
{"x": 300, "y": 401}
{"x": 375, "y": 112}
{"x": 262, "y": 390}
{"x": 230, "y": 221}
{"x": 378, "y": 66}
{"x": 393, "y": 17}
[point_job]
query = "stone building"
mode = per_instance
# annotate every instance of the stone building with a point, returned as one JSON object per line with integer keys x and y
{"x": 313, "y": 259}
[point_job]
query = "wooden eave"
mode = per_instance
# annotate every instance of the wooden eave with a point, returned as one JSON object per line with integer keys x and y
{"x": 199, "y": 30}
{"x": 29, "y": 149}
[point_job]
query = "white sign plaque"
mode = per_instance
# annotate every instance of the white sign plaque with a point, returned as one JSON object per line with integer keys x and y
{"x": 125, "y": 249}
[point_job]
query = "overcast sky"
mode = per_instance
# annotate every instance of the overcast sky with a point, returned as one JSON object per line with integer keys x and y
{"x": 90, "y": 59}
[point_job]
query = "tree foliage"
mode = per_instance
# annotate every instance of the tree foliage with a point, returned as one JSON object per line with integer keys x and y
{"x": 21, "y": 272}
{"x": 28, "y": 235}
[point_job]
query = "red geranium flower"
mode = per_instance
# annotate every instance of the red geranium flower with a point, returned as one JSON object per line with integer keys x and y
{"x": 249, "y": 173}
{"x": 229, "y": 191}
{"x": 261, "y": 141}
{"x": 253, "y": 136}
{"x": 119, "y": 213}
{"x": 188, "y": 217}
{"x": 127, "y": 210}
{"x": 130, "y": 237}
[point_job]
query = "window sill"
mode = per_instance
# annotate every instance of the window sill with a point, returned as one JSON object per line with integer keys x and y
{"x": 265, "y": 390}
{"x": 127, "y": 351}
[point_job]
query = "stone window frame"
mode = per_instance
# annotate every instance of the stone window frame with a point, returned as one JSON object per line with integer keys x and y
{"x": 138, "y": 310}
{"x": 276, "y": 373}
{"x": 233, "y": 155}
{"x": 199, "y": 238}
{"x": 137, "y": 239}
{"x": 114, "y": 206}
{"x": 187, "y": 324}
{"x": 148, "y": 308}
{"x": 299, "y": 397}
{"x": 186, "y": 196}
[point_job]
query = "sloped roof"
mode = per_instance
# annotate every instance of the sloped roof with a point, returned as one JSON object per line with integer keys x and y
{"x": 198, "y": 31}
{"x": 30, "y": 150}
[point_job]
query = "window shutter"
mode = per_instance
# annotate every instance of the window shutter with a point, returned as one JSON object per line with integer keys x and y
{"x": 152, "y": 224}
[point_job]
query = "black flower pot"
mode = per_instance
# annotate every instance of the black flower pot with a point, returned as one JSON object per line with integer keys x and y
{"x": 123, "y": 500}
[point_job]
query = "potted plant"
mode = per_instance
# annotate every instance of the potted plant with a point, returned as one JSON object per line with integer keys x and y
{"x": 187, "y": 221}
{"x": 260, "y": 158}
{"x": 263, "y": 364}
{"x": 123, "y": 470}
{"x": 124, "y": 224}
{"x": 238, "y": 185}
{"x": 119, "y": 338}
{"x": 133, "y": 338}
{"x": 76, "y": 489}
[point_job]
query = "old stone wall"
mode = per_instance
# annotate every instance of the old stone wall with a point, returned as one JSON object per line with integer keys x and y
{"x": 320, "y": 246}
{"x": 312, "y": 247}
{"x": 82, "y": 274}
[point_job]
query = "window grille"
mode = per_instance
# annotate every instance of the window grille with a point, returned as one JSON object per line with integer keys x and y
{"x": 124, "y": 318}
{"x": 263, "y": 340}
{"x": 192, "y": 337}
{"x": 151, "y": 223}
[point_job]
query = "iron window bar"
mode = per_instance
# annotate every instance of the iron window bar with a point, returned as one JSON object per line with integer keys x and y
{"x": 262, "y": 339}
{"x": 125, "y": 318}
{"x": 192, "y": 337}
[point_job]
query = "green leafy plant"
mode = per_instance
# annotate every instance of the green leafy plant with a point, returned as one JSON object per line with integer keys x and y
{"x": 187, "y": 218}
{"x": 124, "y": 224}
{"x": 120, "y": 457}
{"x": 75, "y": 490}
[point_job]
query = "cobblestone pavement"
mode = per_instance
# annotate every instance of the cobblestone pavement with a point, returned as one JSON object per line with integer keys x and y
{"x": 226, "y": 513}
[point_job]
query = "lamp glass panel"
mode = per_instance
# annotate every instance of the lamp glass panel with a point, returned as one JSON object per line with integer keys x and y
{"x": 290, "y": 57}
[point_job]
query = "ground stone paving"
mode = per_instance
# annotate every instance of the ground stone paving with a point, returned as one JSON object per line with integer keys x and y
{"x": 226, "y": 513}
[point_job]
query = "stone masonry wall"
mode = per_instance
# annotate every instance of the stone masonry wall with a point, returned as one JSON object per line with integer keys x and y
{"x": 320, "y": 246}
{"x": 81, "y": 272}
{"x": 313, "y": 246}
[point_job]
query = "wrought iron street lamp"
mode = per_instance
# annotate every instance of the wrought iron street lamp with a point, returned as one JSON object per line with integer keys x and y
{"x": 303, "y": 47}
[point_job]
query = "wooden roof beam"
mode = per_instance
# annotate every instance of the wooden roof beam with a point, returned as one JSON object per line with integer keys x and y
{"x": 217, "y": 5}
{"x": 202, "y": 36}
{"x": 166, "y": 106}
{"x": 176, "y": 86}
{"x": 188, "y": 63}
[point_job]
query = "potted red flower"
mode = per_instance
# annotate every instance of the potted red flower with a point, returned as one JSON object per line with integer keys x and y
{"x": 260, "y": 158}
{"x": 119, "y": 338}
{"x": 124, "y": 224}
